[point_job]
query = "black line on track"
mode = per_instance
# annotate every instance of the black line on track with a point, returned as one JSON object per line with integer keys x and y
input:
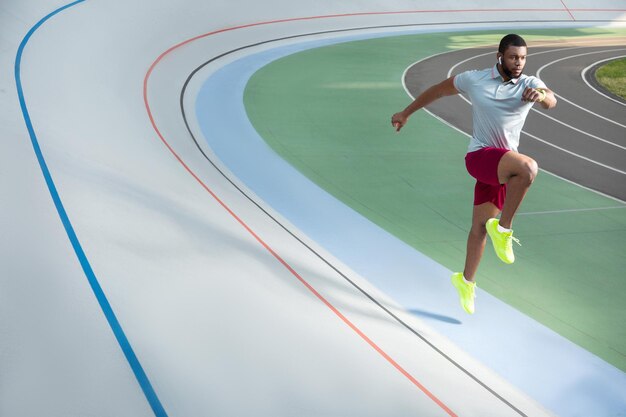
{"x": 324, "y": 260}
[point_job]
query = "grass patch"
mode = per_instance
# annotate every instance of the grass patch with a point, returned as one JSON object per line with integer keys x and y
{"x": 612, "y": 76}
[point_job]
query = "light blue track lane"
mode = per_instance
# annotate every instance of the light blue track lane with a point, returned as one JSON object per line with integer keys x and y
{"x": 120, "y": 336}
{"x": 563, "y": 377}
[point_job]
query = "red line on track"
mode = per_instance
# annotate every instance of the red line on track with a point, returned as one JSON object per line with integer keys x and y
{"x": 247, "y": 228}
{"x": 295, "y": 19}
{"x": 254, "y": 235}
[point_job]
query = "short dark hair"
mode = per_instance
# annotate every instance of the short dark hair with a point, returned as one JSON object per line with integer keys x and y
{"x": 511, "y": 40}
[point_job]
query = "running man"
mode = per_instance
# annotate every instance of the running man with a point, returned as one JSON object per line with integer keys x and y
{"x": 501, "y": 98}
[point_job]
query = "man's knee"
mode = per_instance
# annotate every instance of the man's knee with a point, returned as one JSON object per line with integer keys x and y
{"x": 530, "y": 169}
{"x": 524, "y": 169}
{"x": 517, "y": 165}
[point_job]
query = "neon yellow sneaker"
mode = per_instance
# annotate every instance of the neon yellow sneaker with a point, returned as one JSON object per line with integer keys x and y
{"x": 502, "y": 242}
{"x": 466, "y": 291}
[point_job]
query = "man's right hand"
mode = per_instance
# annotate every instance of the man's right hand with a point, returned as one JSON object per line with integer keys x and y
{"x": 398, "y": 121}
{"x": 435, "y": 92}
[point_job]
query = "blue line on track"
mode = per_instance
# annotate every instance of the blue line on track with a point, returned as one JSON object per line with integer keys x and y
{"x": 136, "y": 367}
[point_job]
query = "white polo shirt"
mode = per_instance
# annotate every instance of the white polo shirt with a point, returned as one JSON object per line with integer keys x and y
{"x": 498, "y": 111}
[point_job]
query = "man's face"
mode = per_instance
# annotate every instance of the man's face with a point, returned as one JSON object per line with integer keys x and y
{"x": 514, "y": 61}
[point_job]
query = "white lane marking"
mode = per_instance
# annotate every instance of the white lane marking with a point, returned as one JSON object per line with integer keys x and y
{"x": 406, "y": 89}
{"x": 619, "y": 200}
{"x": 562, "y": 149}
{"x": 584, "y": 73}
{"x": 540, "y": 168}
{"x": 571, "y": 102}
{"x": 608, "y": 142}
{"x": 533, "y": 54}
{"x": 542, "y": 113}
{"x": 589, "y": 111}
{"x": 464, "y": 61}
{"x": 532, "y": 213}
{"x": 574, "y": 153}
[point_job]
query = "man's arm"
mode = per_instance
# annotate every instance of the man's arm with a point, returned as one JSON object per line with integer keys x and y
{"x": 544, "y": 96}
{"x": 444, "y": 88}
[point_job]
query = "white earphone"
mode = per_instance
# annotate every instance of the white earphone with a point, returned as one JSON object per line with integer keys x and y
{"x": 500, "y": 60}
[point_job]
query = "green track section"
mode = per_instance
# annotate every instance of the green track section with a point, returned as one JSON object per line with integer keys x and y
{"x": 327, "y": 110}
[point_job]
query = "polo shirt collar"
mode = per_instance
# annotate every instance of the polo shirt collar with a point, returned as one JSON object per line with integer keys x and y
{"x": 496, "y": 74}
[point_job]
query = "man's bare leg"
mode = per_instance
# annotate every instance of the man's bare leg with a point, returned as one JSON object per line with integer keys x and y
{"x": 477, "y": 238}
{"x": 518, "y": 172}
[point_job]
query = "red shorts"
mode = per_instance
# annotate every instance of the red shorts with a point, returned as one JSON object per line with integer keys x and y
{"x": 483, "y": 165}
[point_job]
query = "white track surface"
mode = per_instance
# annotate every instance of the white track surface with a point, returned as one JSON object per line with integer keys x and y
{"x": 219, "y": 324}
